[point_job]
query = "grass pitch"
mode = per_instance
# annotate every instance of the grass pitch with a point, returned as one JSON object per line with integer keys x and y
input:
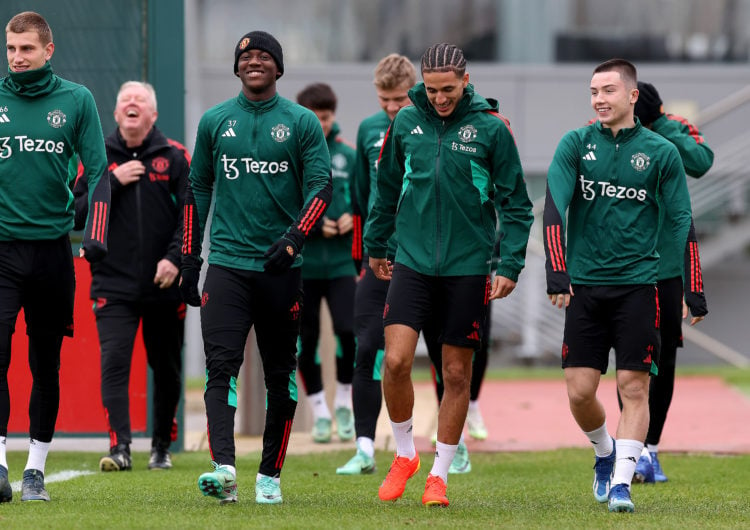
{"x": 504, "y": 490}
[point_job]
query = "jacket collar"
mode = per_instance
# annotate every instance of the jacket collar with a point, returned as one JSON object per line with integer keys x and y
{"x": 32, "y": 83}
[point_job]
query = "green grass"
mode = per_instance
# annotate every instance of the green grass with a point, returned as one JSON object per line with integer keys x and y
{"x": 510, "y": 490}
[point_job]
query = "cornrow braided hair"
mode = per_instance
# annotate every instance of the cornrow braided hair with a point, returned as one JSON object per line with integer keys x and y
{"x": 444, "y": 57}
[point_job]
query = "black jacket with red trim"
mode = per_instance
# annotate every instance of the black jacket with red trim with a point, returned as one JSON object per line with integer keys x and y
{"x": 146, "y": 218}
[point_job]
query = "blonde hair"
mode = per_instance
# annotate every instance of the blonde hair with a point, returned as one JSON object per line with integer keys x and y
{"x": 393, "y": 71}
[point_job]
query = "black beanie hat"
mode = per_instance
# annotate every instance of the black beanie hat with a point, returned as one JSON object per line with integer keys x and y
{"x": 260, "y": 40}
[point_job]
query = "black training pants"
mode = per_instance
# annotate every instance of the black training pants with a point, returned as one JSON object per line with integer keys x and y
{"x": 234, "y": 301}
{"x": 37, "y": 276}
{"x": 163, "y": 331}
{"x": 339, "y": 294}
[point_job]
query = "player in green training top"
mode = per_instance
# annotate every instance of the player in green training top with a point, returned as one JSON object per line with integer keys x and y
{"x": 449, "y": 168}
{"x": 611, "y": 178}
{"x": 44, "y": 121}
{"x": 265, "y": 162}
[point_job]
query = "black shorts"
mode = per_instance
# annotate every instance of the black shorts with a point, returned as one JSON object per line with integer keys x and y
{"x": 38, "y": 276}
{"x": 456, "y": 304}
{"x": 601, "y": 317}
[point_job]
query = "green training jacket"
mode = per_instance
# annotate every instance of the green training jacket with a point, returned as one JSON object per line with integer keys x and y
{"x": 327, "y": 258}
{"x": 44, "y": 122}
{"x": 263, "y": 161}
{"x": 612, "y": 189}
{"x": 370, "y": 138}
{"x": 697, "y": 158}
{"x": 443, "y": 182}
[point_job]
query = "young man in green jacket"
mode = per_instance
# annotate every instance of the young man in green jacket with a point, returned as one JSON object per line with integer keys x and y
{"x": 328, "y": 272}
{"x": 449, "y": 166}
{"x": 606, "y": 187}
{"x": 265, "y": 162}
{"x": 46, "y": 122}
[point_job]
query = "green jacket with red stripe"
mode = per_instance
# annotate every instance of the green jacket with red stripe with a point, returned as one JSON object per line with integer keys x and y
{"x": 268, "y": 169}
{"x": 441, "y": 185}
{"x": 604, "y": 196}
{"x": 326, "y": 258}
{"x": 370, "y": 138}
{"x": 697, "y": 158}
{"x": 45, "y": 122}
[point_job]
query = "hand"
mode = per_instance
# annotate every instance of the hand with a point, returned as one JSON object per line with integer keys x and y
{"x": 330, "y": 228}
{"x": 166, "y": 273}
{"x": 282, "y": 253}
{"x": 345, "y": 223}
{"x": 382, "y": 268}
{"x": 561, "y": 299}
{"x": 129, "y": 172}
{"x": 93, "y": 251}
{"x": 696, "y": 302}
{"x": 501, "y": 287}
{"x": 649, "y": 106}
{"x": 189, "y": 285}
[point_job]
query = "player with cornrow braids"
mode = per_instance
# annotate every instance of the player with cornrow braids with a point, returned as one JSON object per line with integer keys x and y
{"x": 448, "y": 169}
{"x": 264, "y": 160}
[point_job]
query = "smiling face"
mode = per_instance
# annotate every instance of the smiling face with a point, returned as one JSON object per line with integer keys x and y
{"x": 444, "y": 90}
{"x": 613, "y": 100}
{"x": 26, "y": 52}
{"x": 135, "y": 111}
{"x": 258, "y": 72}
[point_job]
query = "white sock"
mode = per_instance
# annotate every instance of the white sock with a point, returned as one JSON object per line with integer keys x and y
{"x": 37, "y": 455}
{"x": 366, "y": 445}
{"x": 444, "y": 454}
{"x": 473, "y": 407}
{"x": 3, "y": 452}
{"x": 259, "y": 476}
{"x": 343, "y": 397}
{"x": 653, "y": 448}
{"x": 232, "y": 469}
{"x": 319, "y": 405}
{"x": 645, "y": 453}
{"x": 628, "y": 452}
{"x": 404, "y": 435}
{"x": 601, "y": 440}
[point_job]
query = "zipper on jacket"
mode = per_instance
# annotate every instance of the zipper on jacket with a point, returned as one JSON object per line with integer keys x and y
{"x": 139, "y": 214}
{"x": 437, "y": 199}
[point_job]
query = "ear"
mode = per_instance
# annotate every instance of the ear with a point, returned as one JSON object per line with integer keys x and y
{"x": 634, "y": 93}
{"x": 49, "y": 49}
{"x": 466, "y": 79}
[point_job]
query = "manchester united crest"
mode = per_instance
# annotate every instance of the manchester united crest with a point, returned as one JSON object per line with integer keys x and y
{"x": 56, "y": 118}
{"x": 280, "y": 133}
{"x": 160, "y": 164}
{"x": 640, "y": 161}
{"x": 467, "y": 133}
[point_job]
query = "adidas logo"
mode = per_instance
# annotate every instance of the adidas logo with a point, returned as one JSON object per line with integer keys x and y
{"x": 589, "y": 156}
{"x": 417, "y": 130}
{"x": 4, "y": 118}
{"x": 228, "y": 133}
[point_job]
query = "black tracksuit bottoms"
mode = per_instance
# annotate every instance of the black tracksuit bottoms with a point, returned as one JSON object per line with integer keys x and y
{"x": 163, "y": 332}
{"x": 39, "y": 277}
{"x": 233, "y": 302}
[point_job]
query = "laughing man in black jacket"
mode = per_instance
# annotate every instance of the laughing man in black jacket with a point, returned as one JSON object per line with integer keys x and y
{"x": 137, "y": 281}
